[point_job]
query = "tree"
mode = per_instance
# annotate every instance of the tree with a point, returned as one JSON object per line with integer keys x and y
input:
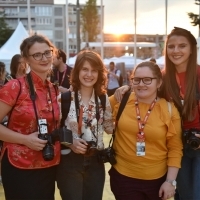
{"x": 195, "y": 17}
{"x": 5, "y": 31}
{"x": 90, "y": 21}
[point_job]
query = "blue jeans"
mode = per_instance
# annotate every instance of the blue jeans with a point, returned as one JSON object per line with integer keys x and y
{"x": 188, "y": 179}
{"x": 80, "y": 177}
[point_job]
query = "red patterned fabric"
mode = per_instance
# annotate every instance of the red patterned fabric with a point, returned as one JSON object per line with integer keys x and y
{"x": 23, "y": 120}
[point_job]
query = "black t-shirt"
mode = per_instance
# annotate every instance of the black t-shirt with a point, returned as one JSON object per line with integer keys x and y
{"x": 58, "y": 77}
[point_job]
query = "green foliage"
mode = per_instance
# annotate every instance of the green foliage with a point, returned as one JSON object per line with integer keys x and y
{"x": 5, "y": 31}
{"x": 195, "y": 17}
{"x": 90, "y": 21}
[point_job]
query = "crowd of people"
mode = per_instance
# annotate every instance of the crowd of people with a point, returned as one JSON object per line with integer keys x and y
{"x": 155, "y": 146}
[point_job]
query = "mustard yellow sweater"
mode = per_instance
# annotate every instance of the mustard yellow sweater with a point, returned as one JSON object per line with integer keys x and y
{"x": 163, "y": 140}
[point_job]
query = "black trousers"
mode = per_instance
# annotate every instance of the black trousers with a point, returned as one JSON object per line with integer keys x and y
{"x": 29, "y": 184}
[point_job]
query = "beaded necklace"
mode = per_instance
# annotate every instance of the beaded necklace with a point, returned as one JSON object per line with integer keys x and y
{"x": 141, "y": 124}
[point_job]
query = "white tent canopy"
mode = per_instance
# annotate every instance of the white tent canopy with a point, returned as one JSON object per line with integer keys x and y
{"x": 12, "y": 46}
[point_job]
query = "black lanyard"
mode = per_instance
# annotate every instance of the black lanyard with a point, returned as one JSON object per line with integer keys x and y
{"x": 33, "y": 98}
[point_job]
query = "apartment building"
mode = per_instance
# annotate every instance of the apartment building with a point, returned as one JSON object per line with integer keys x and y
{"x": 46, "y": 18}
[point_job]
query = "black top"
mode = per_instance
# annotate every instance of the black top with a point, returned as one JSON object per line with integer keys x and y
{"x": 59, "y": 75}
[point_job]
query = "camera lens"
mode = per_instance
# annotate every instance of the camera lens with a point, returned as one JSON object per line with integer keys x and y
{"x": 194, "y": 143}
{"x": 48, "y": 152}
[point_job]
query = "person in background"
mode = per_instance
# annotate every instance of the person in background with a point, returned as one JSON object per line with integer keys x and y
{"x": 80, "y": 174}
{"x": 61, "y": 71}
{"x": 181, "y": 78}
{"x": 25, "y": 172}
{"x": 3, "y": 79}
{"x": 113, "y": 77}
{"x": 147, "y": 141}
{"x": 18, "y": 67}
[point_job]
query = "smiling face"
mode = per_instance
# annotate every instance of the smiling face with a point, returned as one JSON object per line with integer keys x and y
{"x": 146, "y": 93}
{"x": 39, "y": 66}
{"x": 179, "y": 51}
{"x": 88, "y": 75}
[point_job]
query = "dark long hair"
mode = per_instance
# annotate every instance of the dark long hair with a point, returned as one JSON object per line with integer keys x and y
{"x": 96, "y": 62}
{"x": 14, "y": 65}
{"x": 171, "y": 88}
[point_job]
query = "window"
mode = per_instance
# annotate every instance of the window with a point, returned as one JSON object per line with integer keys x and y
{"x": 43, "y": 11}
{"x": 58, "y": 23}
{"x": 59, "y": 45}
{"x": 59, "y": 34}
{"x": 58, "y": 11}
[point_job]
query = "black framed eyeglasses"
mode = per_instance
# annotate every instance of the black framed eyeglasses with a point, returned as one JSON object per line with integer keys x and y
{"x": 145, "y": 80}
{"x": 39, "y": 56}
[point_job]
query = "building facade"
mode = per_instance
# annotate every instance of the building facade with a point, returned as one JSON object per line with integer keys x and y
{"x": 49, "y": 19}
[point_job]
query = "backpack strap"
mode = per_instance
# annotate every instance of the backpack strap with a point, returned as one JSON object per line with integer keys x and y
{"x": 120, "y": 110}
{"x": 65, "y": 106}
{"x": 103, "y": 101}
{"x": 122, "y": 106}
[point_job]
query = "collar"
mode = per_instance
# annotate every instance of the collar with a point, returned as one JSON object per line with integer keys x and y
{"x": 91, "y": 101}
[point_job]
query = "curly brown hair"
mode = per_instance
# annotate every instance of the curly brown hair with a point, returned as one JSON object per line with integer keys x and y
{"x": 96, "y": 62}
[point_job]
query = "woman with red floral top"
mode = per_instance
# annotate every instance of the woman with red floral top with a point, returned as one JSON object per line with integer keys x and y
{"x": 25, "y": 173}
{"x": 181, "y": 78}
{"x": 80, "y": 175}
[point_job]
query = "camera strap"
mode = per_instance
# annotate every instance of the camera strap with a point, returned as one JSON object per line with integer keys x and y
{"x": 33, "y": 98}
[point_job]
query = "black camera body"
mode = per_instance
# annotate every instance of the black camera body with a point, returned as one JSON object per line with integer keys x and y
{"x": 107, "y": 155}
{"x": 48, "y": 150}
{"x": 191, "y": 139}
{"x": 63, "y": 135}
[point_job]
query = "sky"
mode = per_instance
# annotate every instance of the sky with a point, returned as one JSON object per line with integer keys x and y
{"x": 119, "y": 15}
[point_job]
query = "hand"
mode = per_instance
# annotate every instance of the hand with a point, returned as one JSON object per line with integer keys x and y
{"x": 167, "y": 190}
{"x": 120, "y": 92}
{"x": 79, "y": 146}
{"x": 62, "y": 89}
{"x": 33, "y": 142}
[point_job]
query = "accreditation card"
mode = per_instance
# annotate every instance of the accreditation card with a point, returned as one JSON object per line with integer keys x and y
{"x": 140, "y": 148}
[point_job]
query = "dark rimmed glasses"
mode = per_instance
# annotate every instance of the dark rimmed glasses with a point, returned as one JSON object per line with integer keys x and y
{"x": 145, "y": 80}
{"x": 39, "y": 56}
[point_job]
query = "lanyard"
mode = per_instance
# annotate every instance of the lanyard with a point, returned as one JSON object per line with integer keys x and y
{"x": 141, "y": 124}
{"x": 58, "y": 77}
{"x": 80, "y": 120}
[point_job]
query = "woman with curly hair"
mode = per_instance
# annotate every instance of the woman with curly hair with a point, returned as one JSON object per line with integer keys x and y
{"x": 80, "y": 175}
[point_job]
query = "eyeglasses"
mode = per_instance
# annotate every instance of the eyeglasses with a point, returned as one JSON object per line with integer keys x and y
{"x": 145, "y": 80}
{"x": 39, "y": 56}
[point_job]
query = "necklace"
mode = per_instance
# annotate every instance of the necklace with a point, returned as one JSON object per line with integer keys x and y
{"x": 142, "y": 123}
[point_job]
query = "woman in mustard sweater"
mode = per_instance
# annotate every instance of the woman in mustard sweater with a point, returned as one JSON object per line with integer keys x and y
{"x": 147, "y": 141}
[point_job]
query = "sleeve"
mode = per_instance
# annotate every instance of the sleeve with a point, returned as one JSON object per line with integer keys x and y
{"x": 108, "y": 122}
{"x": 118, "y": 72}
{"x": 9, "y": 92}
{"x": 174, "y": 139}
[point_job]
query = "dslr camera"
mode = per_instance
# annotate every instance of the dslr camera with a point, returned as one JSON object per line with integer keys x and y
{"x": 63, "y": 135}
{"x": 91, "y": 148}
{"x": 191, "y": 139}
{"x": 107, "y": 155}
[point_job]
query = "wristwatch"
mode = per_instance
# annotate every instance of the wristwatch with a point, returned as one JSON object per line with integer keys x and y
{"x": 173, "y": 182}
